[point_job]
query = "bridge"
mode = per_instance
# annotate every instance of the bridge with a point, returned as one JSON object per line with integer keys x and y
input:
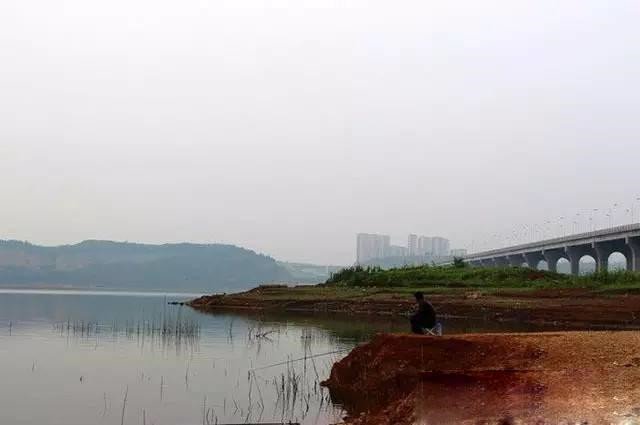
{"x": 599, "y": 244}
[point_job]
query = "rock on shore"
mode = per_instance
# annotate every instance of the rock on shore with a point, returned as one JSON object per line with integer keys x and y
{"x": 541, "y": 378}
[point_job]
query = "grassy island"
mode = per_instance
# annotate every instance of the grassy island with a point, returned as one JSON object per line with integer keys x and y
{"x": 463, "y": 276}
{"x": 610, "y": 300}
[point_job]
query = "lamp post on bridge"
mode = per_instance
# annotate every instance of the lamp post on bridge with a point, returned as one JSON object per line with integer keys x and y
{"x": 547, "y": 229}
{"x": 561, "y": 222}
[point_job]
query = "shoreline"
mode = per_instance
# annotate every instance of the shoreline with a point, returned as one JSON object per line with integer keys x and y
{"x": 573, "y": 308}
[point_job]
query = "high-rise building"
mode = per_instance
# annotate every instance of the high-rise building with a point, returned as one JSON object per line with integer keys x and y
{"x": 374, "y": 246}
{"x": 412, "y": 245}
{"x": 440, "y": 247}
{"x": 397, "y": 251}
{"x": 370, "y": 246}
{"x": 425, "y": 245}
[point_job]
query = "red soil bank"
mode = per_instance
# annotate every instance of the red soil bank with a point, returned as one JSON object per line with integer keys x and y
{"x": 571, "y": 308}
{"x": 548, "y": 378}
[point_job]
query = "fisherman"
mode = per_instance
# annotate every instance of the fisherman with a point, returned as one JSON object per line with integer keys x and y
{"x": 425, "y": 317}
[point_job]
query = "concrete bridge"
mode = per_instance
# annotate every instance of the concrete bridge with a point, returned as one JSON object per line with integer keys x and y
{"x": 599, "y": 245}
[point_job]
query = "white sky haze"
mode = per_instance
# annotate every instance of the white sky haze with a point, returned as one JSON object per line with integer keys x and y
{"x": 289, "y": 126}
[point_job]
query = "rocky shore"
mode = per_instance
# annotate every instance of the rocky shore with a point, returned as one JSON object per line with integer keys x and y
{"x": 538, "y": 378}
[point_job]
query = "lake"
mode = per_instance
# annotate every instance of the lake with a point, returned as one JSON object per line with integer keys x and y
{"x": 83, "y": 357}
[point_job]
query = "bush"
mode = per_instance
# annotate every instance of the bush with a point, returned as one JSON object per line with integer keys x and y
{"x": 459, "y": 263}
{"x": 473, "y": 277}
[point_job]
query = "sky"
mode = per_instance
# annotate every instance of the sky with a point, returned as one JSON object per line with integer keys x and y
{"x": 289, "y": 126}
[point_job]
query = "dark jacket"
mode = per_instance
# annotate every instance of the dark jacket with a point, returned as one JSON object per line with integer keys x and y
{"x": 426, "y": 315}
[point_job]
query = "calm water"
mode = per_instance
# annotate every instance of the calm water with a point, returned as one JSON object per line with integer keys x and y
{"x": 72, "y": 358}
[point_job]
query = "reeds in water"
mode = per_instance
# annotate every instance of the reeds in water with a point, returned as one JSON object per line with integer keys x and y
{"x": 163, "y": 330}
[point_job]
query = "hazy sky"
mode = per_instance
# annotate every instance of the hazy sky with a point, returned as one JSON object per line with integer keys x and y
{"x": 289, "y": 126}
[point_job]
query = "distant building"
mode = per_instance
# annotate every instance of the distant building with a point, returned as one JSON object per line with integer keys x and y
{"x": 397, "y": 251}
{"x": 425, "y": 245}
{"x": 377, "y": 247}
{"x": 458, "y": 253}
{"x": 412, "y": 245}
{"x": 371, "y": 246}
{"x": 440, "y": 247}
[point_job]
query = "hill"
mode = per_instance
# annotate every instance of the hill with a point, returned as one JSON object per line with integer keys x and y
{"x": 123, "y": 265}
{"x": 309, "y": 273}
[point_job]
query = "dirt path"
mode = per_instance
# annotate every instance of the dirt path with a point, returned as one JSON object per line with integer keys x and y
{"x": 569, "y": 308}
{"x": 549, "y": 378}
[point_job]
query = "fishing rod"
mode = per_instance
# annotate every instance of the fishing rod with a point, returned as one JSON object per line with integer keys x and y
{"x": 265, "y": 423}
{"x": 300, "y": 359}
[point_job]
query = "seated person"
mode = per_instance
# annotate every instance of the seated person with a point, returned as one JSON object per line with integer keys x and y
{"x": 425, "y": 317}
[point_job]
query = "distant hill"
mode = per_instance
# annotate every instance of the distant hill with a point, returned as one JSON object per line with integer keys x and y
{"x": 122, "y": 265}
{"x": 309, "y": 273}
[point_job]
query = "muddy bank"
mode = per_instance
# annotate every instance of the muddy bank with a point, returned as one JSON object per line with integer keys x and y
{"x": 568, "y": 308}
{"x": 549, "y": 378}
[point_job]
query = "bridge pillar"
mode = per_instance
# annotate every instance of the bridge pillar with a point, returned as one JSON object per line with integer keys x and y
{"x": 620, "y": 245}
{"x": 552, "y": 257}
{"x": 603, "y": 251}
{"x": 533, "y": 259}
{"x": 516, "y": 260}
{"x": 501, "y": 261}
{"x": 489, "y": 262}
{"x": 633, "y": 260}
{"x": 575, "y": 253}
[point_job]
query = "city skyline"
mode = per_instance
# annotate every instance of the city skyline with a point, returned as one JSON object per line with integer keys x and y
{"x": 376, "y": 246}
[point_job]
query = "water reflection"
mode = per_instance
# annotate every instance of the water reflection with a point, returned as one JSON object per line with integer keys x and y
{"x": 72, "y": 357}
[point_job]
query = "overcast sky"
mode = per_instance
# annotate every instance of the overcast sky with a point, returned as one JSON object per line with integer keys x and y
{"x": 289, "y": 126}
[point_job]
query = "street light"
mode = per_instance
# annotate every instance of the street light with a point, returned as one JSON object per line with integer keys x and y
{"x": 547, "y": 228}
{"x": 562, "y": 226}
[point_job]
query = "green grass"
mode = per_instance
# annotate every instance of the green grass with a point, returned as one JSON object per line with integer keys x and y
{"x": 376, "y": 284}
{"x": 449, "y": 277}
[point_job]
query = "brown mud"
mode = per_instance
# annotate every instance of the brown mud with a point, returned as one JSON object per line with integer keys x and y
{"x": 565, "y": 308}
{"x": 536, "y": 378}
